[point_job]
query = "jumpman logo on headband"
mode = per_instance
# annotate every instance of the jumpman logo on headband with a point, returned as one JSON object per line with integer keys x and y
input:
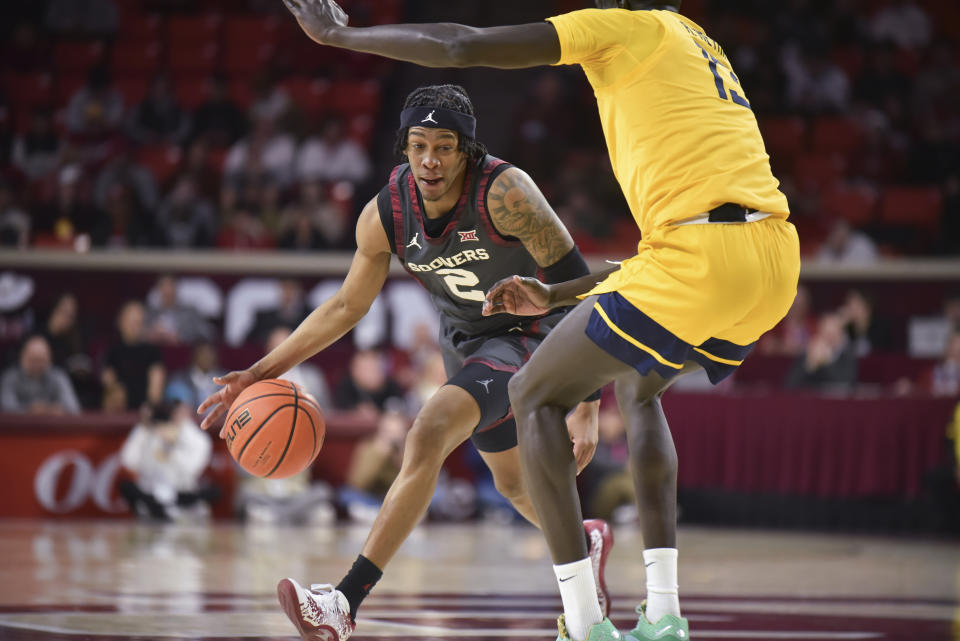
{"x": 429, "y": 118}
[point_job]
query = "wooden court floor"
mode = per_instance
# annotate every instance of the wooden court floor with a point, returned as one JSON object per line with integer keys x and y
{"x": 119, "y": 581}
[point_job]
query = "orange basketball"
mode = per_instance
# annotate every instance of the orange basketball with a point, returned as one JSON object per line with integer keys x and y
{"x": 274, "y": 429}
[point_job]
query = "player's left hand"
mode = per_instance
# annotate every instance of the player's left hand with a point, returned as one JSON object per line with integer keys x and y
{"x": 316, "y": 17}
{"x": 518, "y": 295}
{"x": 583, "y": 426}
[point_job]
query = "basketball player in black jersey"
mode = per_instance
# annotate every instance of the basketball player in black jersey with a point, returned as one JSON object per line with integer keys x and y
{"x": 459, "y": 220}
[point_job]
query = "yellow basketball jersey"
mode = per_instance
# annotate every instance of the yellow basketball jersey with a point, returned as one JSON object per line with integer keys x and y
{"x": 679, "y": 127}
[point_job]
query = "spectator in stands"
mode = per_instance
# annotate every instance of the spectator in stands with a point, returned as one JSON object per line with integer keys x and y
{"x": 82, "y": 17}
{"x": 123, "y": 168}
{"x": 70, "y": 214}
{"x": 166, "y": 452}
{"x": 880, "y": 79}
{"x": 309, "y": 377}
{"x": 866, "y": 331}
{"x": 902, "y": 22}
{"x": 943, "y": 482}
{"x": 367, "y": 386}
{"x": 133, "y": 370}
{"x": 159, "y": 119}
{"x": 815, "y": 83}
{"x": 332, "y": 156}
{"x": 243, "y": 229}
{"x": 544, "y": 111}
{"x": 170, "y": 322}
{"x": 199, "y": 165}
{"x": 97, "y": 107}
{"x": 830, "y": 362}
{"x": 271, "y": 101}
{"x": 14, "y": 221}
{"x": 125, "y": 222}
{"x": 950, "y": 216}
{"x": 290, "y": 312}
{"x": 195, "y": 383}
{"x": 609, "y": 486}
{"x": 265, "y": 150}
{"x": 315, "y": 221}
{"x": 36, "y": 386}
{"x": 6, "y": 131}
{"x": 186, "y": 219}
{"x": 68, "y": 346}
{"x": 937, "y": 80}
{"x": 374, "y": 465}
{"x": 219, "y": 121}
{"x": 37, "y": 151}
{"x": 945, "y": 380}
{"x": 791, "y": 335}
{"x": 847, "y": 246}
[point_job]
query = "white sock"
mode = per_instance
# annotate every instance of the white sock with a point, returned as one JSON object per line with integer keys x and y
{"x": 663, "y": 595}
{"x": 578, "y": 590}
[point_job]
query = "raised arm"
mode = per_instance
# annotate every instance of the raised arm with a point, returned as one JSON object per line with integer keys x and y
{"x": 327, "y": 323}
{"x": 431, "y": 45}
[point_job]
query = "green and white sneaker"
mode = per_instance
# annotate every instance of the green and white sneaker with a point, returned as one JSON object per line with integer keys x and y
{"x": 603, "y": 631}
{"x": 668, "y": 628}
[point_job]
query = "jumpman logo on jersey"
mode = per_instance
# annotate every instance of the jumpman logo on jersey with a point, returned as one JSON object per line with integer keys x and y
{"x": 414, "y": 242}
{"x": 486, "y": 384}
{"x": 429, "y": 118}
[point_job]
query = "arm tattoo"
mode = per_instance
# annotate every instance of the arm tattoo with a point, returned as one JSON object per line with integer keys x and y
{"x": 518, "y": 209}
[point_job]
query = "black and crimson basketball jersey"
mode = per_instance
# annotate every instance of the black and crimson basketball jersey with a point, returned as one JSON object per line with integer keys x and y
{"x": 458, "y": 266}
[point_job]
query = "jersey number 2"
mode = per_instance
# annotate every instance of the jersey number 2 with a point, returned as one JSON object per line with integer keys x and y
{"x": 721, "y": 88}
{"x": 454, "y": 279}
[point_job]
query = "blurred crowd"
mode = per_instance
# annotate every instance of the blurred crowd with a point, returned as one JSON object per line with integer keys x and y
{"x": 136, "y": 123}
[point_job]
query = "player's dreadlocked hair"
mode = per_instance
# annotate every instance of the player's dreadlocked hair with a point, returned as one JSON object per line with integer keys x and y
{"x": 453, "y": 97}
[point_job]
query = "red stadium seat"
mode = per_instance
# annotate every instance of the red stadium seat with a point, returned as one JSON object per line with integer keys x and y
{"x": 249, "y": 58}
{"x": 245, "y": 31}
{"x": 819, "y": 172}
{"x": 352, "y": 97}
{"x": 191, "y": 90}
{"x": 241, "y": 91}
{"x": 197, "y": 58}
{"x": 837, "y": 134}
{"x": 189, "y": 31}
{"x": 67, "y": 85}
{"x": 140, "y": 56}
{"x": 35, "y": 88}
{"x": 77, "y": 56}
{"x": 913, "y": 206}
{"x": 784, "y": 136}
{"x": 133, "y": 87}
{"x": 161, "y": 160}
{"x": 309, "y": 94}
{"x": 360, "y": 128}
{"x": 857, "y": 204}
{"x": 145, "y": 27}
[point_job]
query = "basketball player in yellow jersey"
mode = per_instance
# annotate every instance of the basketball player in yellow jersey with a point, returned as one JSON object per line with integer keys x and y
{"x": 717, "y": 266}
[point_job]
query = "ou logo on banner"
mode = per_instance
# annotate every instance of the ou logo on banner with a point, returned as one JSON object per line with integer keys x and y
{"x": 87, "y": 481}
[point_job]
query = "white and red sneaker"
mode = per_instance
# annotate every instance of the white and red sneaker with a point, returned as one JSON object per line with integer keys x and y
{"x": 601, "y": 540}
{"x": 321, "y": 613}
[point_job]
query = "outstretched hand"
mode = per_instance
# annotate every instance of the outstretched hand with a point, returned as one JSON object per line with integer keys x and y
{"x": 221, "y": 400}
{"x": 316, "y": 17}
{"x": 518, "y": 295}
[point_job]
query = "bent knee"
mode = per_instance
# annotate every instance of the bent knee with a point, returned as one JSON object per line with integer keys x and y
{"x": 510, "y": 487}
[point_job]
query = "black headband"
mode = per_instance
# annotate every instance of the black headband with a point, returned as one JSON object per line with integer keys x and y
{"x": 439, "y": 118}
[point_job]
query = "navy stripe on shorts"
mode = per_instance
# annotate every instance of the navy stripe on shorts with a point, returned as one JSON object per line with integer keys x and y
{"x": 628, "y": 334}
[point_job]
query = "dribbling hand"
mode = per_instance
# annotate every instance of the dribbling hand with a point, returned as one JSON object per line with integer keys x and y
{"x": 518, "y": 295}
{"x": 317, "y": 16}
{"x": 221, "y": 400}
